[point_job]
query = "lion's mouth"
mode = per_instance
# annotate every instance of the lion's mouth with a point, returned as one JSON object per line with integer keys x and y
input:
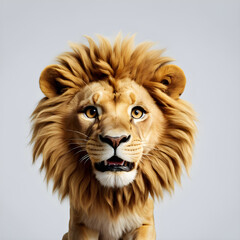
{"x": 114, "y": 164}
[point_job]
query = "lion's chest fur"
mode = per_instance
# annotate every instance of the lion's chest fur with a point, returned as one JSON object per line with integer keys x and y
{"x": 113, "y": 229}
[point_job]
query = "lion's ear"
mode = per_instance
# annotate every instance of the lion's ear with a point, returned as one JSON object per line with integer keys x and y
{"x": 173, "y": 79}
{"x": 53, "y": 81}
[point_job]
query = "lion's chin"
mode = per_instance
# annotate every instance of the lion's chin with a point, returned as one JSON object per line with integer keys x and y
{"x": 115, "y": 179}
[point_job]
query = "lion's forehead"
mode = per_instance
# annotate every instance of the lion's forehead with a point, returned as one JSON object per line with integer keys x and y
{"x": 123, "y": 94}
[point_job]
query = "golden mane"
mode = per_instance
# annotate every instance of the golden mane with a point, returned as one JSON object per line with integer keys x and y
{"x": 163, "y": 165}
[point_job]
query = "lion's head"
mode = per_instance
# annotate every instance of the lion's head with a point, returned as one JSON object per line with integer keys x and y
{"x": 112, "y": 126}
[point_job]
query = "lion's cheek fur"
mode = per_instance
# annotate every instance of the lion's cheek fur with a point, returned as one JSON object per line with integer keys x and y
{"x": 151, "y": 130}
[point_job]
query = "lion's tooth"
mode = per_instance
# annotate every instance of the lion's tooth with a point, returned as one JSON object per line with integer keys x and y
{"x": 105, "y": 163}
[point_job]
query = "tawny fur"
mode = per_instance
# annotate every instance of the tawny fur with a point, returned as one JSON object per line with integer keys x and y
{"x": 54, "y": 124}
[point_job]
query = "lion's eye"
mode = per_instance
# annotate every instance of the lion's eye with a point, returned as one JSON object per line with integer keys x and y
{"x": 138, "y": 112}
{"x": 91, "y": 112}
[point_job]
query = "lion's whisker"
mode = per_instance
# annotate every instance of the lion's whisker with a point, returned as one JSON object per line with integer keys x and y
{"x": 78, "y": 139}
{"x": 77, "y": 147}
{"x": 79, "y": 144}
{"x": 72, "y": 149}
{"x": 79, "y": 152}
{"x": 84, "y": 158}
{"x": 75, "y": 131}
{"x": 155, "y": 149}
{"x": 149, "y": 155}
{"x": 82, "y": 139}
{"x": 92, "y": 139}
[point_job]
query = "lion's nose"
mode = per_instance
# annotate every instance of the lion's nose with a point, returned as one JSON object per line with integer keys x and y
{"x": 114, "y": 141}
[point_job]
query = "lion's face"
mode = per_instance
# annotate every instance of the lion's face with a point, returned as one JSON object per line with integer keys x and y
{"x": 112, "y": 117}
{"x": 117, "y": 126}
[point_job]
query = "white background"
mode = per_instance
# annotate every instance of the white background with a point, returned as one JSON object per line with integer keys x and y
{"x": 204, "y": 38}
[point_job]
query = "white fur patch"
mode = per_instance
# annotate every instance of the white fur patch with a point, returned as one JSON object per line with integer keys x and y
{"x": 113, "y": 229}
{"x": 115, "y": 179}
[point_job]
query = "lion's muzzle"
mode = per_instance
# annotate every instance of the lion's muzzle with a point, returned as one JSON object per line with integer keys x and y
{"x": 114, "y": 164}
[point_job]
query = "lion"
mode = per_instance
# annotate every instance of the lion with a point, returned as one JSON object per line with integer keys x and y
{"x": 113, "y": 134}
